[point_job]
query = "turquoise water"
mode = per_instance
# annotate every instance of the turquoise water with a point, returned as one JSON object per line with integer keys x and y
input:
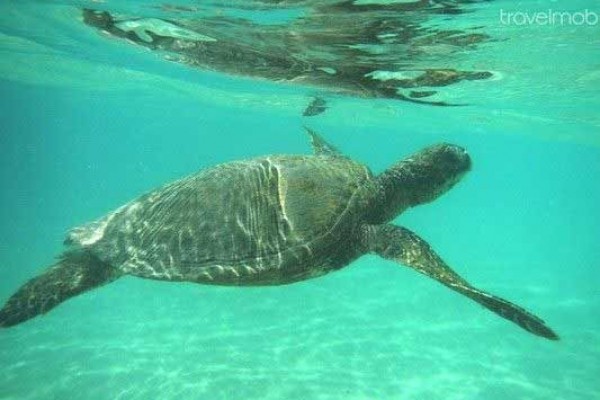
{"x": 89, "y": 122}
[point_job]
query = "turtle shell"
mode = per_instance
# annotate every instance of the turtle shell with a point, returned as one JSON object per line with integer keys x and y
{"x": 262, "y": 221}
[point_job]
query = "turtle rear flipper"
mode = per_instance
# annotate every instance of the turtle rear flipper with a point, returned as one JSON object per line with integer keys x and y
{"x": 75, "y": 273}
{"x": 401, "y": 245}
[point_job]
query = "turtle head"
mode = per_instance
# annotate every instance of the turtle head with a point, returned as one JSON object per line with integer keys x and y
{"x": 434, "y": 170}
{"x": 419, "y": 179}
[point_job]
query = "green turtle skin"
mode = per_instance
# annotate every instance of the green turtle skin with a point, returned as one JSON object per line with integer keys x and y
{"x": 266, "y": 221}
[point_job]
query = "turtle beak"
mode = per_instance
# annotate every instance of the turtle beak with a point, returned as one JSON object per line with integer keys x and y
{"x": 446, "y": 165}
{"x": 460, "y": 156}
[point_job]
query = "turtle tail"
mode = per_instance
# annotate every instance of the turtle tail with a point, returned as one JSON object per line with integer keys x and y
{"x": 76, "y": 272}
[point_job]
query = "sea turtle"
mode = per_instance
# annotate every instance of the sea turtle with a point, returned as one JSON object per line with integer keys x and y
{"x": 266, "y": 221}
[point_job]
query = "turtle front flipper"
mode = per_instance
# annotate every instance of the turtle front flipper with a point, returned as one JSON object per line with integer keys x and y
{"x": 75, "y": 273}
{"x": 403, "y": 246}
{"x": 317, "y": 106}
{"x": 320, "y": 145}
